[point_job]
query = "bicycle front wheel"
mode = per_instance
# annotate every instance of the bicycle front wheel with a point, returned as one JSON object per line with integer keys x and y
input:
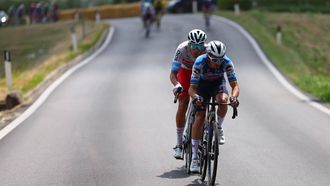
{"x": 203, "y": 155}
{"x": 213, "y": 153}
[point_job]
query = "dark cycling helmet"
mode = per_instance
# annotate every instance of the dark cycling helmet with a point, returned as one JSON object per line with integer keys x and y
{"x": 216, "y": 48}
{"x": 197, "y": 36}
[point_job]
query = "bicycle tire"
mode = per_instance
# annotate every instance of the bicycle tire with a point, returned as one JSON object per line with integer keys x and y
{"x": 203, "y": 156}
{"x": 188, "y": 150}
{"x": 188, "y": 156}
{"x": 213, "y": 150}
{"x": 148, "y": 25}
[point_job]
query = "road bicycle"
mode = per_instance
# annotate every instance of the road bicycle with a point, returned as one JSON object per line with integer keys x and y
{"x": 207, "y": 18}
{"x": 209, "y": 148}
{"x": 148, "y": 23}
{"x": 208, "y": 151}
{"x": 186, "y": 149}
{"x": 187, "y": 146}
{"x": 207, "y": 13}
{"x": 158, "y": 19}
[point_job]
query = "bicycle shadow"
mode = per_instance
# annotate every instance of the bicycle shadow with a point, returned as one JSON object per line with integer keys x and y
{"x": 178, "y": 173}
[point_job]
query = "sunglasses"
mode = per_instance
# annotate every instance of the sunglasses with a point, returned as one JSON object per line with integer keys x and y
{"x": 215, "y": 59}
{"x": 197, "y": 46}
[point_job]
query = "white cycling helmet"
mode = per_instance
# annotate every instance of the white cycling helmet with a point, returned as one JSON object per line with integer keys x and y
{"x": 147, "y": 5}
{"x": 197, "y": 36}
{"x": 216, "y": 48}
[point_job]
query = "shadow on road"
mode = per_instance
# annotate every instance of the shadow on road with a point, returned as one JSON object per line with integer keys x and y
{"x": 180, "y": 172}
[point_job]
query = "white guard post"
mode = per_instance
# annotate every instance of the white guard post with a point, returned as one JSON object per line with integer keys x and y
{"x": 279, "y": 35}
{"x": 237, "y": 9}
{"x": 8, "y": 72}
{"x": 74, "y": 39}
{"x": 194, "y": 6}
{"x": 97, "y": 17}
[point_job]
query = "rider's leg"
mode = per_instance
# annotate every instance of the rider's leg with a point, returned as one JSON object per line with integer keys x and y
{"x": 184, "y": 79}
{"x": 181, "y": 118}
{"x": 180, "y": 123}
{"x": 222, "y": 98}
{"x": 221, "y": 112}
{"x": 197, "y": 132}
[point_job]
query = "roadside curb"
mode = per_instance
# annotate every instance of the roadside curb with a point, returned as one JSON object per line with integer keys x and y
{"x": 10, "y": 119}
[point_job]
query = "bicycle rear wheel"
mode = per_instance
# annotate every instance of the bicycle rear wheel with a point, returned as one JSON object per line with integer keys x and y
{"x": 213, "y": 153}
{"x": 148, "y": 25}
{"x": 187, "y": 141}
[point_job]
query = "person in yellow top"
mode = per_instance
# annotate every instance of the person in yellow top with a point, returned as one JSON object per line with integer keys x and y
{"x": 160, "y": 10}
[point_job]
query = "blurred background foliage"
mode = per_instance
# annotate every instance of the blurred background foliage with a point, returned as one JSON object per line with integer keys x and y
{"x": 64, "y": 4}
{"x": 322, "y": 6}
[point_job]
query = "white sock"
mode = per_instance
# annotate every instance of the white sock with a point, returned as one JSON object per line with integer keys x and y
{"x": 194, "y": 148}
{"x": 179, "y": 134}
{"x": 220, "y": 121}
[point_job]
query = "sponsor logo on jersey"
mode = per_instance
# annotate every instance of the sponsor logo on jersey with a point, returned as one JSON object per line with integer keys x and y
{"x": 177, "y": 55}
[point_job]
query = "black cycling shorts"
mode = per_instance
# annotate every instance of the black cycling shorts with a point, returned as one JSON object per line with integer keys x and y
{"x": 207, "y": 89}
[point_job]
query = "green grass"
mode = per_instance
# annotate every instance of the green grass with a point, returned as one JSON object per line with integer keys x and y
{"x": 83, "y": 47}
{"x": 30, "y": 44}
{"x": 37, "y": 50}
{"x": 303, "y": 55}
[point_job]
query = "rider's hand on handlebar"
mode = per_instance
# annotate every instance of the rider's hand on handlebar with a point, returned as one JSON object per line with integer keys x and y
{"x": 177, "y": 88}
{"x": 233, "y": 101}
{"x": 198, "y": 101}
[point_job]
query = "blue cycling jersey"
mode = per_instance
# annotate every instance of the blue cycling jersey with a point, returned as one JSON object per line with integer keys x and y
{"x": 202, "y": 71}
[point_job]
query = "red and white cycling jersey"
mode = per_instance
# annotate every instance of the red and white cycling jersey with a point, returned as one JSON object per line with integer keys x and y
{"x": 183, "y": 58}
{"x": 182, "y": 63}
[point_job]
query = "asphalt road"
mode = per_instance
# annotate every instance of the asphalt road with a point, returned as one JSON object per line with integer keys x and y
{"x": 112, "y": 121}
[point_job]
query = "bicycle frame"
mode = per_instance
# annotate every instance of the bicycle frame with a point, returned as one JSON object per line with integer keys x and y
{"x": 187, "y": 151}
{"x": 209, "y": 150}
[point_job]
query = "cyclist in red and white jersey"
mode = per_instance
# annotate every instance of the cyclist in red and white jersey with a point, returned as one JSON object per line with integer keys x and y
{"x": 184, "y": 59}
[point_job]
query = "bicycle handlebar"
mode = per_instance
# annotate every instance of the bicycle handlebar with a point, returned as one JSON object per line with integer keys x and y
{"x": 235, "y": 111}
{"x": 180, "y": 90}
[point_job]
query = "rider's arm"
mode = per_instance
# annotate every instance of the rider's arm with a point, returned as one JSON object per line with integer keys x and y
{"x": 231, "y": 76}
{"x": 173, "y": 77}
{"x": 234, "y": 88}
{"x": 176, "y": 65}
{"x": 193, "y": 91}
{"x": 195, "y": 77}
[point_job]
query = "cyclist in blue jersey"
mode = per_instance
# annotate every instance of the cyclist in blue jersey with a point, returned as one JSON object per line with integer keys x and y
{"x": 147, "y": 13}
{"x": 207, "y": 80}
{"x": 208, "y": 7}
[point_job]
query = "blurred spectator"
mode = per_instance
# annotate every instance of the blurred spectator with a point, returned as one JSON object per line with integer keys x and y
{"x": 11, "y": 14}
{"x": 37, "y": 12}
{"x": 45, "y": 12}
{"x": 19, "y": 14}
{"x": 32, "y": 10}
{"x": 55, "y": 11}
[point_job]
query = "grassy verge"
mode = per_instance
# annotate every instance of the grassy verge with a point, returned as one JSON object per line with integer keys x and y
{"x": 303, "y": 55}
{"x": 38, "y": 50}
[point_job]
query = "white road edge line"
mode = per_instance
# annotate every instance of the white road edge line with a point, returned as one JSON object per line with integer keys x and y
{"x": 43, "y": 97}
{"x": 272, "y": 68}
